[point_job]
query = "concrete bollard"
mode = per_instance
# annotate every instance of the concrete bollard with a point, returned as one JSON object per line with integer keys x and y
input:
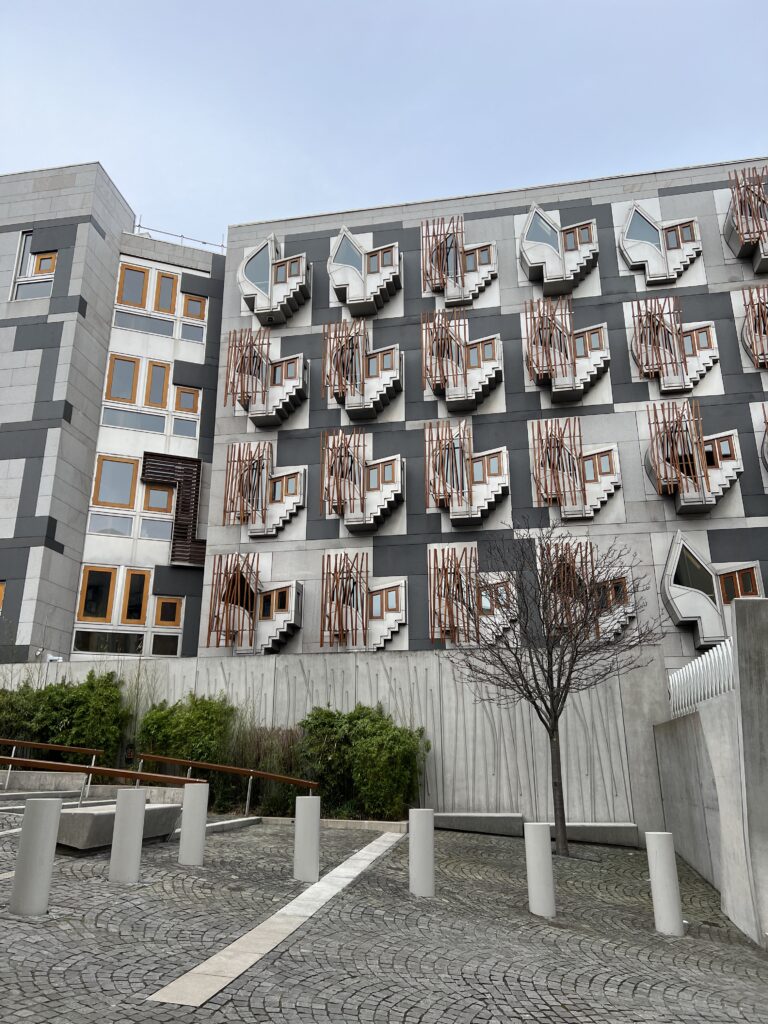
{"x": 125, "y": 855}
{"x": 34, "y": 860}
{"x": 665, "y": 889}
{"x": 538, "y": 867}
{"x": 194, "y": 814}
{"x": 421, "y": 852}
{"x": 306, "y": 839}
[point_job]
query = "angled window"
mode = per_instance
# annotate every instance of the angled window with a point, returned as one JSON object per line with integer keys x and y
{"x": 135, "y": 596}
{"x": 115, "y": 484}
{"x": 641, "y": 230}
{"x": 256, "y": 270}
{"x": 692, "y": 573}
{"x": 541, "y": 231}
{"x": 132, "y": 286}
{"x": 165, "y": 293}
{"x": 156, "y": 394}
{"x": 348, "y": 255}
{"x": 122, "y": 379}
{"x": 97, "y": 592}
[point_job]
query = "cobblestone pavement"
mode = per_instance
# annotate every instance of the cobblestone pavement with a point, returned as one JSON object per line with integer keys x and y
{"x": 374, "y": 953}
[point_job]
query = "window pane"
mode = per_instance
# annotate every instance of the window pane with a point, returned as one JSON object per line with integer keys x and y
{"x": 25, "y": 253}
{"x": 373, "y": 366}
{"x": 348, "y": 255}
{"x": 149, "y": 324}
{"x": 158, "y": 498}
{"x": 729, "y": 588}
{"x": 541, "y": 231}
{"x": 192, "y": 332}
{"x": 167, "y": 613}
{"x": 91, "y": 641}
{"x": 165, "y": 645}
{"x": 590, "y": 474}
{"x": 373, "y": 263}
{"x": 703, "y": 339}
{"x": 595, "y": 340}
{"x": 165, "y": 294}
{"x": 580, "y": 344}
{"x": 194, "y": 306}
{"x": 187, "y": 400}
{"x": 34, "y": 289}
{"x": 388, "y": 472}
{"x": 156, "y": 529}
{"x": 266, "y": 606}
{"x": 158, "y": 376}
{"x": 478, "y": 472}
{"x": 641, "y": 230}
{"x": 373, "y": 478}
{"x": 45, "y": 264}
{"x": 121, "y": 384}
{"x": 606, "y": 464}
{"x": 691, "y": 573}
{"x": 116, "y": 482}
{"x": 133, "y": 420}
{"x": 392, "y": 600}
{"x": 470, "y": 261}
{"x": 113, "y": 526}
{"x": 281, "y": 273}
{"x": 570, "y": 240}
{"x": 134, "y": 604}
{"x": 376, "y": 605}
{"x": 98, "y": 585}
{"x": 747, "y": 580}
{"x": 185, "y": 428}
{"x": 386, "y": 258}
{"x": 585, "y": 234}
{"x": 132, "y": 291}
{"x": 256, "y": 270}
{"x": 485, "y": 256}
{"x": 282, "y": 600}
{"x": 494, "y": 466}
{"x": 672, "y": 239}
{"x": 290, "y": 484}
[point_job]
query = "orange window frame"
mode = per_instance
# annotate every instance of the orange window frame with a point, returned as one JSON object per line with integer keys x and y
{"x": 387, "y": 470}
{"x": 39, "y": 257}
{"x": 110, "y": 373}
{"x": 591, "y": 459}
{"x": 276, "y": 276}
{"x": 294, "y": 263}
{"x": 392, "y": 591}
{"x": 604, "y": 455}
{"x": 2, "y": 594}
{"x": 148, "y": 389}
{"x": 570, "y": 240}
{"x": 142, "y": 620}
{"x": 121, "y": 285}
{"x": 371, "y": 613}
{"x": 369, "y": 472}
{"x": 726, "y": 441}
{"x": 194, "y": 298}
{"x": 168, "y": 491}
{"x": 111, "y": 571}
{"x": 488, "y": 460}
{"x": 100, "y": 460}
{"x": 163, "y": 276}
{"x": 177, "y": 603}
{"x": 188, "y": 391}
{"x": 276, "y": 490}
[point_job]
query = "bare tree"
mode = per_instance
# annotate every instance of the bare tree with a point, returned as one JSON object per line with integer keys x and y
{"x": 554, "y": 615}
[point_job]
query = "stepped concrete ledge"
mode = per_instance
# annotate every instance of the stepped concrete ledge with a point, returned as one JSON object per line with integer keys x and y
{"x": 87, "y": 828}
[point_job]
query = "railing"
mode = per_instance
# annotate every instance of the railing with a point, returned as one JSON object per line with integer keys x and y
{"x": 228, "y": 769}
{"x": 92, "y": 752}
{"x": 709, "y": 675}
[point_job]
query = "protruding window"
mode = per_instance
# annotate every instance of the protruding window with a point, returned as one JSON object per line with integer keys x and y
{"x": 541, "y": 230}
{"x": 641, "y": 230}
{"x": 256, "y": 270}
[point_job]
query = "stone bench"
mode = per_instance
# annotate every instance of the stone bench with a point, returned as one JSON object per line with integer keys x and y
{"x": 87, "y": 828}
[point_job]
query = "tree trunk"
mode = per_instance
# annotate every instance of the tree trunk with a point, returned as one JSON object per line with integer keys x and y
{"x": 558, "y": 800}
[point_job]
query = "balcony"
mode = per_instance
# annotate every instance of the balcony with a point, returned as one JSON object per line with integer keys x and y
{"x": 682, "y": 461}
{"x": 449, "y": 267}
{"x": 268, "y": 389}
{"x": 273, "y": 288}
{"x": 258, "y": 495}
{"x": 557, "y": 258}
{"x": 356, "y": 612}
{"x": 361, "y": 379}
{"x": 677, "y": 355}
{"x": 558, "y": 356}
{"x": 746, "y": 223}
{"x": 467, "y": 484}
{"x": 459, "y": 371}
{"x": 359, "y": 490}
{"x": 363, "y": 279}
{"x": 663, "y": 250}
{"x": 580, "y": 482}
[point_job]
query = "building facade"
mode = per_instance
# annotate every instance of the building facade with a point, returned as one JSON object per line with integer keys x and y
{"x": 307, "y": 444}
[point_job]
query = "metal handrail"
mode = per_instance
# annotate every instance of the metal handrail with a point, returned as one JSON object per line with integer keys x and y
{"x": 31, "y": 745}
{"x": 229, "y": 769}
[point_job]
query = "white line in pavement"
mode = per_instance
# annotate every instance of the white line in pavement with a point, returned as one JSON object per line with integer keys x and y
{"x": 6, "y": 874}
{"x": 203, "y": 982}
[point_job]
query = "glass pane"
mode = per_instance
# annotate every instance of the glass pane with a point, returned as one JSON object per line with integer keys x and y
{"x": 641, "y": 230}
{"x": 290, "y": 485}
{"x": 373, "y": 366}
{"x": 165, "y": 645}
{"x": 373, "y": 478}
{"x": 133, "y": 420}
{"x": 686, "y": 232}
{"x": 392, "y": 600}
{"x": 671, "y": 239}
{"x": 470, "y": 261}
{"x": 187, "y": 401}
{"x": 486, "y": 604}
{"x": 688, "y": 344}
{"x": 91, "y": 641}
{"x": 580, "y": 344}
{"x": 386, "y": 258}
{"x": 281, "y": 273}
{"x": 132, "y": 291}
{"x": 730, "y": 590}
{"x": 192, "y": 332}
{"x": 25, "y": 253}
{"x": 585, "y": 234}
{"x": 388, "y": 472}
{"x": 45, "y": 265}
{"x": 703, "y": 339}
{"x": 158, "y": 497}
{"x": 34, "y": 289}
{"x": 116, "y": 482}
{"x": 373, "y": 263}
{"x": 97, "y": 589}
{"x": 541, "y": 231}
{"x": 473, "y": 357}
{"x": 570, "y": 241}
{"x": 168, "y": 612}
{"x": 158, "y": 376}
{"x": 282, "y": 600}
{"x": 494, "y": 467}
{"x": 156, "y": 529}
{"x": 595, "y": 340}
{"x": 185, "y": 428}
{"x": 266, "y": 606}
{"x": 747, "y": 581}
{"x": 113, "y": 526}
{"x": 376, "y": 606}
{"x": 606, "y": 464}
{"x": 590, "y": 473}
{"x": 290, "y": 369}
{"x": 123, "y": 375}
{"x": 134, "y": 605}
{"x": 691, "y": 573}
{"x": 348, "y": 255}
{"x": 149, "y": 324}
{"x": 488, "y": 350}
{"x": 478, "y": 472}
{"x": 166, "y": 294}
{"x": 256, "y": 270}
{"x": 193, "y": 307}
{"x": 485, "y": 256}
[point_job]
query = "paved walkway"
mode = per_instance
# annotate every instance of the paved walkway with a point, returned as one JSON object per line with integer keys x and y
{"x": 374, "y": 953}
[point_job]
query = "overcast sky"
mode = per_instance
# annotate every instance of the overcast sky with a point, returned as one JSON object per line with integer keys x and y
{"x": 207, "y": 114}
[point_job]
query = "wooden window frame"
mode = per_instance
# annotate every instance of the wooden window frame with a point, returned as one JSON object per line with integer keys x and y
{"x": 489, "y": 471}
{"x": 292, "y": 365}
{"x": 573, "y": 233}
{"x": 372, "y": 358}
{"x": 282, "y": 265}
{"x": 599, "y": 332}
{"x": 387, "y": 355}
{"x": 112, "y": 572}
{"x": 396, "y": 592}
{"x": 286, "y": 479}
{"x": 275, "y": 488}
{"x": 195, "y": 392}
{"x": 373, "y": 263}
{"x": 276, "y": 369}
{"x": 262, "y": 599}
{"x": 369, "y": 470}
{"x": 470, "y": 254}
{"x": 714, "y": 448}
{"x": 371, "y": 613}
{"x": 147, "y": 390}
{"x": 385, "y": 466}
{"x": 580, "y": 338}
{"x": 479, "y": 462}
{"x": 388, "y": 262}
{"x": 114, "y": 357}
{"x": 691, "y": 335}
{"x": 169, "y": 498}
{"x": 129, "y": 573}
{"x": 585, "y": 228}
{"x": 203, "y": 306}
{"x": 605, "y": 455}
{"x": 294, "y": 262}
{"x": 484, "y": 250}
{"x": 286, "y": 591}
{"x": 682, "y": 227}
{"x": 488, "y": 345}
{"x": 39, "y": 256}
{"x": 121, "y": 285}
{"x": 732, "y": 448}
{"x": 706, "y": 331}
{"x": 178, "y": 602}
{"x": 2, "y": 595}
{"x": 672, "y": 230}
{"x": 474, "y": 347}
{"x": 161, "y": 274}
{"x": 593, "y": 460}
{"x": 736, "y": 576}
{"x": 100, "y": 460}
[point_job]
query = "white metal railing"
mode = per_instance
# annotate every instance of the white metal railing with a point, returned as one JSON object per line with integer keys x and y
{"x": 709, "y": 675}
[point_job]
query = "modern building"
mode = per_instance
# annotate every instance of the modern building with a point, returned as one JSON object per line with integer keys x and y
{"x": 305, "y": 445}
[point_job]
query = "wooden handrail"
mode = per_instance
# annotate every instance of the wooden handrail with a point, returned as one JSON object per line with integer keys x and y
{"x": 92, "y": 751}
{"x": 88, "y": 769}
{"x": 231, "y": 769}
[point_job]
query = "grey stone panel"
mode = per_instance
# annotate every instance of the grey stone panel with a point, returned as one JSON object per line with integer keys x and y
{"x": 195, "y": 284}
{"x": 39, "y": 335}
{"x": 701, "y": 186}
{"x": 54, "y": 237}
{"x": 320, "y": 415}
